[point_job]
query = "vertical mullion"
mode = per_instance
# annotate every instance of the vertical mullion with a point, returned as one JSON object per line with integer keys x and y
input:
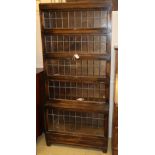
{"x": 82, "y": 90}
{"x": 93, "y": 67}
{"x": 59, "y": 89}
{"x": 57, "y": 43}
{"x": 93, "y": 91}
{"x": 69, "y": 118}
{"x": 58, "y": 67}
{"x": 53, "y": 119}
{"x": 45, "y": 44}
{"x": 53, "y": 68}
{"x": 88, "y": 92}
{"x": 87, "y": 44}
{"x": 68, "y": 19}
{"x": 63, "y": 44}
{"x": 70, "y": 67}
{"x": 99, "y": 68}
{"x": 92, "y": 121}
{"x": 100, "y": 44}
{"x": 65, "y": 90}
{"x": 74, "y": 20}
{"x": 75, "y": 121}
{"x": 70, "y": 91}
{"x": 87, "y": 18}
{"x": 98, "y": 119}
{"x": 75, "y": 37}
{"x": 53, "y": 89}
{"x": 87, "y": 67}
{"x": 76, "y": 90}
{"x": 49, "y": 19}
{"x": 51, "y": 41}
{"x": 81, "y": 43}
{"x": 64, "y": 121}
{"x": 81, "y": 19}
{"x": 69, "y": 43}
{"x": 100, "y": 17}
{"x": 55, "y": 20}
{"x": 62, "y": 19}
{"x": 94, "y": 18}
{"x": 93, "y": 44}
{"x": 76, "y": 67}
{"x": 64, "y": 68}
{"x": 81, "y": 68}
{"x": 81, "y": 118}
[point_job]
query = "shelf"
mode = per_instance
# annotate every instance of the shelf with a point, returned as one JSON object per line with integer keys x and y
{"x": 79, "y": 105}
{"x": 90, "y": 31}
{"x": 68, "y": 55}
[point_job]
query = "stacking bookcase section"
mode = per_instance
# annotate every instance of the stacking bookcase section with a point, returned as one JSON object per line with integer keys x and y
{"x": 80, "y": 91}
{"x": 63, "y": 19}
{"x": 76, "y": 41}
{"x": 86, "y": 123}
{"x": 94, "y": 44}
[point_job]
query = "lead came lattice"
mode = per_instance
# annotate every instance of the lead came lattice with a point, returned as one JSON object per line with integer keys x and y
{"x": 75, "y": 19}
{"x": 76, "y": 122}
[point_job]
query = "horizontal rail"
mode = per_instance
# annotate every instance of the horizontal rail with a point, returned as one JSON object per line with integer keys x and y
{"x": 90, "y": 31}
{"x": 81, "y": 56}
{"x": 73, "y": 105}
{"x": 77, "y": 5}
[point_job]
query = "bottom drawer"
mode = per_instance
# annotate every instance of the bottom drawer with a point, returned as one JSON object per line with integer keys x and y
{"x": 73, "y": 139}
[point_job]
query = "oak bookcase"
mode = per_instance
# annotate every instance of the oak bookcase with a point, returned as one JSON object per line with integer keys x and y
{"x": 76, "y": 41}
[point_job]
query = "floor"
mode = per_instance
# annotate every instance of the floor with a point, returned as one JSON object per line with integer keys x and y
{"x": 42, "y": 149}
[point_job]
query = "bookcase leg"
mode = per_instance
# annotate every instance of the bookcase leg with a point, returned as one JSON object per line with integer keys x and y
{"x": 104, "y": 150}
{"x": 48, "y": 143}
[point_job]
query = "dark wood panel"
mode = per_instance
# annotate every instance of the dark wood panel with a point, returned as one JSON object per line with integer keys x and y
{"x": 99, "y": 31}
{"x": 115, "y": 5}
{"x": 75, "y": 5}
{"x": 40, "y": 89}
{"x": 79, "y": 105}
{"x": 81, "y": 78}
{"x": 63, "y": 55}
{"x": 72, "y": 139}
{"x": 115, "y": 111}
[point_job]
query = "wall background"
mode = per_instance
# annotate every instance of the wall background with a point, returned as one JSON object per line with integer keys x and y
{"x": 39, "y": 58}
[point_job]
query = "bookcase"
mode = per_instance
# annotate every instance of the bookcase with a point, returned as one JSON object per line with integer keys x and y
{"x": 76, "y": 41}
